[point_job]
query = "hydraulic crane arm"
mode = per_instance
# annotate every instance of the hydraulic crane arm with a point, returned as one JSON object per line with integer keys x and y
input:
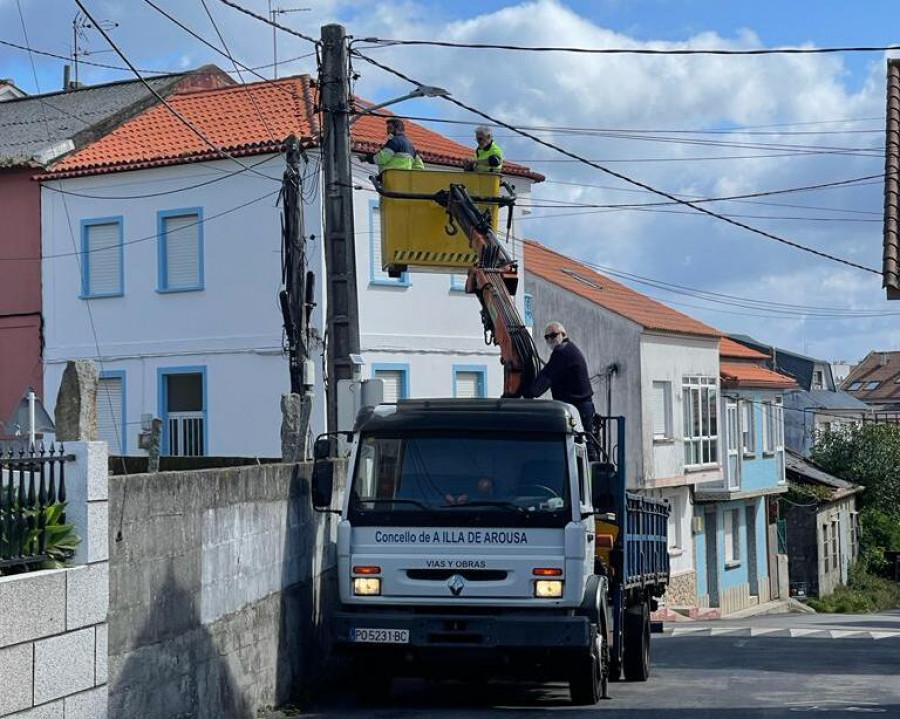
{"x": 493, "y": 279}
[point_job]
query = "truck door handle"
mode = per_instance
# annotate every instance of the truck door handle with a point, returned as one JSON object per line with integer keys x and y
{"x": 590, "y": 537}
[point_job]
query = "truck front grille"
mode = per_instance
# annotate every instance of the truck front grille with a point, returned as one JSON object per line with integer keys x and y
{"x": 470, "y": 575}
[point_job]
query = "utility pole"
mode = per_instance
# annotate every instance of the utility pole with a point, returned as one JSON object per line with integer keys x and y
{"x": 342, "y": 315}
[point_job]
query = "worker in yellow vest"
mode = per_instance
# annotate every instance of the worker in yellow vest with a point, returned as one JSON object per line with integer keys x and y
{"x": 398, "y": 153}
{"x": 488, "y": 154}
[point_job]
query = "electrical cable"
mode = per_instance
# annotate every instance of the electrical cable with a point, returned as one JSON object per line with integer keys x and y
{"x": 160, "y": 98}
{"x": 234, "y": 62}
{"x": 384, "y": 42}
{"x": 267, "y": 21}
{"x": 143, "y": 71}
{"x": 227, "y": 53}
{"x": 626, "y": 178}
{"x": 162, "y": 193}
{"x": 206, "y": 218}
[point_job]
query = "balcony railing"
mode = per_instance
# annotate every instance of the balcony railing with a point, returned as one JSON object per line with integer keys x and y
{"x": 186, "y": 434}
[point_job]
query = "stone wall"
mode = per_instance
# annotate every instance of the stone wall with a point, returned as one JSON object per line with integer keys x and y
{"x": 682, "y": 590}
{"x": 220, "y": 582}
{"x": 53, "y": 631}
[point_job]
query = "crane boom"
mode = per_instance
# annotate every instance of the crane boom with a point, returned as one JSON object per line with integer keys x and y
{"x": 493, "y": 280}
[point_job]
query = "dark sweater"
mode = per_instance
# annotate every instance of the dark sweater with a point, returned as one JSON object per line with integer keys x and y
{"x": 565, "y": 375}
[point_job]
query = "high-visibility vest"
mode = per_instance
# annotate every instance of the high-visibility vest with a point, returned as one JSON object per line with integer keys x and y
{"x": 489, "y": 159}
{"x": 398, "y": 153}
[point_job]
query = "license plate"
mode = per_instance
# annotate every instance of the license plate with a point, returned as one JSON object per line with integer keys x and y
{"x": 380, "y": 636}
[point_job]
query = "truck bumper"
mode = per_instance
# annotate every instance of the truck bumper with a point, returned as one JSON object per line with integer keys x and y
{"x": 463, "y": 644}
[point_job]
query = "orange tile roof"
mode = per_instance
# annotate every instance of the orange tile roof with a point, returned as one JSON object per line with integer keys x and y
{"x": 243, "y": 120}
{"x": 730, "y": 348}
{"x": 747, "y": 374}
{"x": 615, "y": 297}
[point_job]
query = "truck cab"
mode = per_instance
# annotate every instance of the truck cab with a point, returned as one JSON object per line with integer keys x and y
{"x": 466, "y": 546}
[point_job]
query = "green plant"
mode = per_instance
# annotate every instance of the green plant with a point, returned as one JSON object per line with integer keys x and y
{"x": 60, "y": 538}
{"x": 865, "y": 592}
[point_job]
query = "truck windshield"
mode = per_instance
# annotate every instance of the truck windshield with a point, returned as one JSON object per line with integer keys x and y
{"x": 452, "y": 479}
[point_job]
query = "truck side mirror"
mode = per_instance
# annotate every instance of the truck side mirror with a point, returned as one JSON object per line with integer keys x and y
{"x": 323, "y": 448}
{"x": 604, "y": 478}
{"x": 322, "y": 482}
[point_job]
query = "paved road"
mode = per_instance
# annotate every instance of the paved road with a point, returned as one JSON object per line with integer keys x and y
{"x": 845, "y": 666}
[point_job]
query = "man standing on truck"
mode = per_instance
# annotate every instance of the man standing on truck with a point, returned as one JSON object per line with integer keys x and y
{"x": 566, "y": 375}
{"x": 488, "y": 154}
{"x": 398, "y": 152}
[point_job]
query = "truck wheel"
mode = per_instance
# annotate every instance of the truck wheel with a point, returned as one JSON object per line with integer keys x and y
{"x": 587, "y": 677}
{"x": 637, "y": 643}
{"x": 372, "y": 685}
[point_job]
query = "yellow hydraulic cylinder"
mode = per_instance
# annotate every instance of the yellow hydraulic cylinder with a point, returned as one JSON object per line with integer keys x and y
{"x": 414, "y": 232}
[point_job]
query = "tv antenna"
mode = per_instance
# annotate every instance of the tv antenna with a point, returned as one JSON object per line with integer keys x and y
{"x": 273, "y": 12}
{"x": 80, "y": 25}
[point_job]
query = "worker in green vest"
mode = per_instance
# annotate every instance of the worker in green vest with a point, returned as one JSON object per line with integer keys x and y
{"x": 398, "y": 152}
{"x": 488, "y": 154}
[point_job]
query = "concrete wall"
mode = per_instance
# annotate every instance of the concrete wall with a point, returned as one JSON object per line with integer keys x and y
{"x": 604, "y": 338}
{"x": 220, "y": 582}
{"x": 53, "y": 630}
{"x": 20, "y": 288}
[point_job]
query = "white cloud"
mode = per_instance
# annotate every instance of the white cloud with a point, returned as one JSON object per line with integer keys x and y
{"x": 619, "y": 91}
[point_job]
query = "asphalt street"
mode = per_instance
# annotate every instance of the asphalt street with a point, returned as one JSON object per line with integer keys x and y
{"x": 776, "y": 666}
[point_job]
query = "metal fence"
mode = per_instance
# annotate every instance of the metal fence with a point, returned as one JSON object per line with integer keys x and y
{"x": 32, "y": 502}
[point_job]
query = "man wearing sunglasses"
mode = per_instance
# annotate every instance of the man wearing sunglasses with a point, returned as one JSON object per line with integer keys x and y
{"x": 566, "y": 375}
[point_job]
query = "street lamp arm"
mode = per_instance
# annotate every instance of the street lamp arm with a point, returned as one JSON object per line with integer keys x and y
{"x": 420, "y": 91}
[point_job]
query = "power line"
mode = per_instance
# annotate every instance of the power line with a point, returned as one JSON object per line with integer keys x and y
{"x": 383, "y": 42}
{"x": 160, "y": 98}
{"x": 235, "y": 63}
{"x": 144, "y": 71}
{"x": 147, "y": 238}
{"x": 226, "y": 53}
{"x": 162, "y": 193}
{"x": 626, "y": 178}
{"x": 727, "y": 215}
{"x": 270, "y": 22}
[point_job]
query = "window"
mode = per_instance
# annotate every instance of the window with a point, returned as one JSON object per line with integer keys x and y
{"x": 102, "y": 258}
{"x": 180, "y": 250}
{"x": 854, "y": 386}
{"x": 661, "y": 411}
{"x": 700, "y": 410}
{"x": 458, "y": 282}
{"x": 529, "y": 310}
{"x": 395, "y": 378}
{"x": 732, "y": 440}
{"x": 378, "y": 276}
{"x": 469, "y": 381}
{"x": 748, "y": 428}
{"x": 825, "y": 547}
{"x": 111, "y": 411}
{"x": 818, "y": 381}
{"x": 854, "y": 535}
{"x": 872, "y": 384}
{"x": 732, "y": 536}
{"x": 773, "y": 426}
{"x": 835, "y": 538}
{"x": 182, "y": 402}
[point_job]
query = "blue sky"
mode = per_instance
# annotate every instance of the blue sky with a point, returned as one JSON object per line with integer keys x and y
{"x": 836, "y": 101}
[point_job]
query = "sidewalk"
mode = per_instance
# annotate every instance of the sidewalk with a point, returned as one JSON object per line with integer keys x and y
{"x": 673, "y": 615}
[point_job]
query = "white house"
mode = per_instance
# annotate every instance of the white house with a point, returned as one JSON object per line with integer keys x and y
{"x": 163, "y": 261}
{"x": 659, "y": 369}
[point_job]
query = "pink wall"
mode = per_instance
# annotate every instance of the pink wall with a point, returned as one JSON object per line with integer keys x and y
{"x": 20, "y": 287}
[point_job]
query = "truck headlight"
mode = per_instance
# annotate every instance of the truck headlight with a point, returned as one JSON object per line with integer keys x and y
{"x": 367, "y": 586}
{"x": 548, "y": 588}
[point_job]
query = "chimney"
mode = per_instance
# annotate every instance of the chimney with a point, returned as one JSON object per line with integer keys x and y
{"x": 66, "y": 70}
{"x": 884, "y": 359}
